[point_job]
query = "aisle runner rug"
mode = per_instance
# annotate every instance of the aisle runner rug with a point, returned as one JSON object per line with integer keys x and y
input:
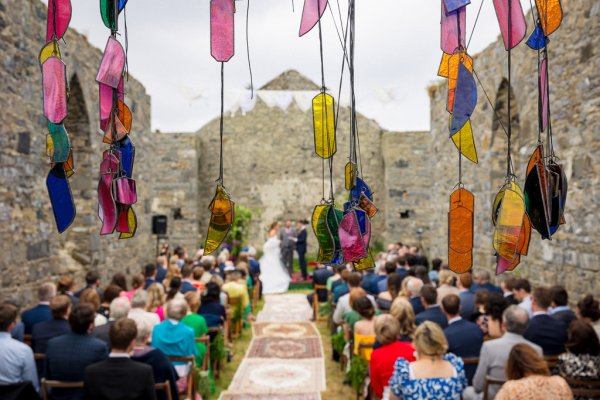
{"x": 288, "y": 308}
{"x": 289, "y": 330}
{"x": 241, "y": 396}
{"x": 272, "y": 347}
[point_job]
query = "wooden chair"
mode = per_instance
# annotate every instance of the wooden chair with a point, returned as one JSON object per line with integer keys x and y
{"x": 584, "y": 388}
{"x": 39, "y": 356}
{"x": 552, "y": 361}
{"x": 255, "y": 294}
{"x": 237, "y": 316}
{"x": 58, "y": 385}
{"x": 471, "y": 360}
{"x": 191, "y": 387}
{"x": 216, "y": 366}
{"x": 490, "y": 381}
{"x": 164, "y": 387}
{"x": 206, "y": 361}
{"x": 27, "y": 339}
{"x": 315, "y": 302}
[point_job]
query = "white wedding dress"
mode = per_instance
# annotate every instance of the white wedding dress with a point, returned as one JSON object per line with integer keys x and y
{"x": 273, "y": 275}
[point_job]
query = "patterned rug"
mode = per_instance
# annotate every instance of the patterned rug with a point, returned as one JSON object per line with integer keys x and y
{"x": 285, "y": 330}
{"x": 229, "y": 395}
{"x": 273, "y": 347}
{"x": 288, "y": 308}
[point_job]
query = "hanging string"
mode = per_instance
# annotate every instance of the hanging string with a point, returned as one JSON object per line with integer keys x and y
{"x": 475, "y": 24}
{"x": 220, "y": 180}
{"x": 509, "y": 133}
{"x": 126, "y": 42}
{"x": 248, "y": 50}
{"x": 321, "y": 49}
{"x": 490, "y": 102}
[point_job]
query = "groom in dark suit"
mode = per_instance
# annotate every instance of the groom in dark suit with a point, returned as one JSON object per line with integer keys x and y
{"x": 301, "y": 246}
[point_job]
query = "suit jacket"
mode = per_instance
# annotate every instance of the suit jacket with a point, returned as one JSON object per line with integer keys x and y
{"x": 511, "y": 299}
{"x": 382, "y": 284}
{"x": 548, "y": 333}
{"x": 416, "y": 304}
{"x": 148, "y": 282}
{"x": 487, "y": 286}
{"x": 118, "y": 379}
{"x": 320, "y": 277}
{"x": 101, "y": 332}
{"x": 467, "y": 304}
{"x": 44, "y": 331}
{"x": 286, "y": 238}
{"x": 161, "y": 367}
{"x": 434, "y": 314}
{"x": 19, "y": 391}
{"x": 465, "y": 340}
{"x": 39, "y": 313}
{"x": 566, "y": 316}
{"x": 370, "y": 281}
{"x": 161, "y": 274}
{"x": 402, "y": 272}
{"x": 493, "y": 357}
{"x": 187, "y": 287}
{"x": 301, "y": 242}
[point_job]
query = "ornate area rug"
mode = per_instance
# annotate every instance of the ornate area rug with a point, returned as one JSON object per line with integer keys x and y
{"x": 285, "y": 330}
{"x": 229, "y": 395}
{"x": 273, "y": 347}
{"x": 288, "y": 308}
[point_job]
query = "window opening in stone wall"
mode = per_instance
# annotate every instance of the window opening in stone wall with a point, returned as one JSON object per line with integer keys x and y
{"x": 498, "y": 139}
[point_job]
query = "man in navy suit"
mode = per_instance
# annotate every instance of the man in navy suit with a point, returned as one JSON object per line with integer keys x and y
{"x": 320, "y": 277}
{"x": 186, "y": 282}
{"x": 58, "y": 325}
{"x": 482, "y": 279}
{"x": 92, "y": 281}
{"x": 414, "y": 286}
{"x": 547, "y": 332}
{"x": 161, "y": 268}
{"x": 68, "y": 355}
{"x": 41, "y": 312}
{"x": 560, "y": 305}
{"x": 467, "y": 298}
{"x": 403, "y": 268}
{"x": 433, "y": 311}
{"x": 149, "y": 275}
{"x": 507, "y": 286}
{"x": 390, "y": 268}
{"x": 370, "y": 281}
{"x": 301, "y": 236}
{"x": 464, "y": 337}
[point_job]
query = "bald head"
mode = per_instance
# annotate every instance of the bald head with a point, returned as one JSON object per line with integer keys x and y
{"x": 516, "y": 319}
{"x": 414, "y": 286}
{"x": 483, "y": 277}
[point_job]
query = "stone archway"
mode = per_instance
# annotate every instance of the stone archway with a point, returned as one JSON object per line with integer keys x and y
{"x": 500, "y": 117}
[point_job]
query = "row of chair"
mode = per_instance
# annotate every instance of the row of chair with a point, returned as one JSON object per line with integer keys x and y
{"x": 47, "y": 385}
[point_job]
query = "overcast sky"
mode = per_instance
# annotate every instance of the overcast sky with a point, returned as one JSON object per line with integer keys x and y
{"x": 397, "y": 54}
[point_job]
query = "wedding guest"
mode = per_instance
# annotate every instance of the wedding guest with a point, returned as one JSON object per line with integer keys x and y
{"x": 529, "y": 378}
{"x": 92, "y": 281}
{"x": 389, "y": 268}
{"x": 254, "y": 264}
{"x": 402, "y": 311}
{"x": 482, "y": 280}
{"x": 369, "y": 282}
{"x": 186, "y": 280}
{"x": 210, "y": 306}
{"x": 467, "y": 298}
{"x": 119, "y": 279}
{"x": 66, "y": 285}
{"x": 149, "y": 275}
{"x": 421, "y": 273}
{"x": 137, "y": 283}
{"x": 432, "y": 311}
{"x": 60, "y": 306}
{"x": 90, "y": 296}
{"x": 588, "y": 310}
{"x": 320, "y": 277}
{"x": 493, "y": 310}
{"x": 364, "y": 329}
{"x": 560, "y": 305}
{"x": 341, "y": 288}
{"x": 435, "y": 374}
{"x": 41, "y": 312}
{"x": 414, "y": 286}
{"x": 549, "y": 333}
{"x": 208, "y": 265}
{"x": 119, "y": 308}
{"x": 301, "y": 236}
{"x": 343, "y": 303}
{"x": 110, "y": 293}
{"x": 385, "y": 299}
{"x": 161, "y": 268}
{"x": 507, "y": 286}
{"x": 446, "y": 278}
{"x": 197, "y": 323}
{"x": 479, "y": 315}
{"x": 522, "y": 292}
{"x": 138, "y": 312}
{"x": 174, "y": 288}
{"x": 157, "y": 300}
{"x": 436, "y": 263}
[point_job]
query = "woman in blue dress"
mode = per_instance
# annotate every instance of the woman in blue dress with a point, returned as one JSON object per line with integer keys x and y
{"x": 435, "y": 374}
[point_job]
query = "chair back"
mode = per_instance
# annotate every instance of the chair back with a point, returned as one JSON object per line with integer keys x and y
{"x": 206, "y": 361}
{"x": 255, "y": 294}
{"x": 27, "y": 339}
{"x": 190, "y": 378}
{"x": 552, "y": 361}
{"x": 164, "y": 387}
{"x": 46, "y": 385}
{"x": 471, "y": 360}
{"x": 584, "y": 388}
{"x": 490, "y": 381}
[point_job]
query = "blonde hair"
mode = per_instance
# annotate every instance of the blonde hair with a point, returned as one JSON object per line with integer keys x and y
{"x": 217, "y": 279}
{"x": 403, "y": 290}
{"x": 446, "y": 277}
{"x": 193, "y": 300}
{"x": 430, "y": 340}
{"x": 90, "y": 296}
{"x": 156, "y": 296}
{"x": 387, "y": 329}
{"x": 403, "y": 312}
{"x": 172, "y": 272}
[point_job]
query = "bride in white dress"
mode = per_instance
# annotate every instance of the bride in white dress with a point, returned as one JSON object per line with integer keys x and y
{"x": 273, "y": 275}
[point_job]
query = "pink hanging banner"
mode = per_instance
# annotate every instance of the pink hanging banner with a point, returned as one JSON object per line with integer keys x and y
{"x": 518, "y": 25}
{"x": 54, "y": 81}
{"x": 221, "y": 29}
{"x": 453, "y": 23}
{"x": 59, "y": 11}
{"x": 107, "y": 208}
{"x": 112, "y": 64}
{"x": 312, "y": 12}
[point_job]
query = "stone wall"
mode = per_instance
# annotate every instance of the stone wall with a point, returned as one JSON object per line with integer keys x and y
{"x": 572, "y": 258}
{"x": 32, "y": 251}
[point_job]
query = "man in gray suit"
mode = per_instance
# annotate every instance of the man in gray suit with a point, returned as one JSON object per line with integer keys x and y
{"x": 494, "y": 353}
{"x": 287, "y": 235}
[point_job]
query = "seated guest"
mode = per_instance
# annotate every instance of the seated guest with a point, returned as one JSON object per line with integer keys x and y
{"x": 435, "y": 374}
{"x": 402, "y": 311}
{"x": 560, "y": 305}
{"x": 211, "y": 309}
{"x": 208, "y": 264}
{"x": 529, "y": 377}
{"x": 389, "y": 268}
{"x": 422, "y": 274}
{"x": 253, "y": 262}
{"x": 90, "y": 296}
{"x": 343, "y": 303}
{"x": 432, "y": 311}
{"x": 370, "y": 281}
{"x": 119, "y": 308}
{"x": 479, "y": 315}
{"x": 174, "y": 286}
{"x": 186, "y": 280}
{"x": 403, "y": 269}
{"x": 548, "y": 333}
{"x": 41, "y": 312}
{"x": 18, "y": 332}
{"x": 493, "y": 309}
{"x": 588, "y": 310}
{"x": 414, "y": 286}
{"x": 446, "y": 285}
{"x": 66, "y": 285}
{"x": 149, "y": 275}
{"x": 110, "y": 293}
{"x": 352, "y": 316}
{"x": 119, "y": 279}
{"x": 385, "y": 299}
{"x": 16, "y": 358}
{"x": 336, "y": 279}
{"x": 119, "y": 377}
{"x": 162, "y": 368}
{"x": 156, "y": 300}
{"x": 196, "y": 322}
{"x": 464, "y": 337}
{"x": 436, "y": 264}
{"x": 494, "y": 353}
{"x": 582, "y": 359}
{"x": 507, "y": 287}
{"x": 174, "y": 338}
{"x": 92, "y": 281}
{"x": 467, "y": 298}
{"x": 522, "y": 292}
{"x": 139, "y": 303}
{"x": 68, "y": 355}
{"x": 320, "y": 277}
{"x": 58, "y": 325}
{"x": 482, "y": 281}
{"x": 381, "y": 366}
{"x": 364, "y": 329}
{"x": 235, "y": 287}
{"x": 137, "y": 283}
{"x": 341, "y": 288}
{"x": 161, "y": 268}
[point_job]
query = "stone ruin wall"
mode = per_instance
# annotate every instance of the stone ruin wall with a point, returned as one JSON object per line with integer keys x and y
{"x": 572, "y": 258}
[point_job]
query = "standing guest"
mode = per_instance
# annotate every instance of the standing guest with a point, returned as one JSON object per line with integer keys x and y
{"x": 432, "y": 311}
{"x": 385, "y": 299}
{"x": 161, "y": 367}
{"x": 560, "y": 305}
{"x": 494, "y": 353}
{"x": 110, "y": 293}
{"x": 156, "y": 300}
{"x": 370, "y": 281}
{"x": 482, "y": 281}
{"x": 138, "y": 312}
{"x": 421, "y": 273}
{"x": 582, "y": 359}
{"x": 548, "y": 333}
{"x": 66, "y": 285}
{"x": 119, "y": 279}
{"x": 301, "y": 236}
{"x": 41, "y": 312}
{"x": 119, "y": 377}
{"x": 522, "y": 292}
{"x": 343, "y": 304}
{"x": 467, "y": 298}
{"x": 68, "y": 355}
{"x": 16, "y": 358}
{"x": 186, "y": 280}
{"x": 588, "y": 310}
{"x": 435, "y": 374}
{"x": 161, "y": 268}
{"x": 507, "y": 286}
{"x": 210, "y": 306}
{"x": 90, "y": 296}
{"x": 197, "y": 323}
{"x": 60, "y": 306}
{"x": 149, "y": 275}
{"x": 436, "y": 264}
{"x": 119, "y": 308}
{"x": 320, "y": 277}
{"x": 446, "y": 287}
{"x": 464, "y": 337}
{"x": 381, "y": 366}
{"x": 137, "y": 283}
{"x": 389, "y": 268}
{"x": 414, "y": 286}
{"x": 340, "y": 287}
{"x": 529, "y": 378}
{"x": 174, "y": 288}
{"x": 92, "y": 281}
